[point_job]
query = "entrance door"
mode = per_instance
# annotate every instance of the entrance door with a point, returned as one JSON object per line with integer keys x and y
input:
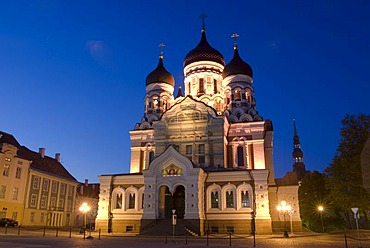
{"x": 179, "y": 201}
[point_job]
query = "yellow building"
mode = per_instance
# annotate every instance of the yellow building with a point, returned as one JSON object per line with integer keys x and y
{"x": 44, "y": 190}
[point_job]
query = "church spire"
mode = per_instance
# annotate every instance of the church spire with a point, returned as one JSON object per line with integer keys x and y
{"x": 298, "y": 164}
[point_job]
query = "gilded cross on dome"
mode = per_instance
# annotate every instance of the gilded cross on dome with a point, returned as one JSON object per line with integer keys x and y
{"x": 235, "y": 36}
{"x": 203, "y": 16}
{"x": 161, "y": 45}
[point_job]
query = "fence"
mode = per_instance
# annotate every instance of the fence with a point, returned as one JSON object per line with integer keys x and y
{"x": 360, "y": 241}
{"x": 50, "y": 231}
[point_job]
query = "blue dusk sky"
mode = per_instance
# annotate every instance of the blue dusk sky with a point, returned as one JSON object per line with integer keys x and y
{"x": 72, "y": 73}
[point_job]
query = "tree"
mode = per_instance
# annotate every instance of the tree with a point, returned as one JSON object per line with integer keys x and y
{"x": 345, "y": 176}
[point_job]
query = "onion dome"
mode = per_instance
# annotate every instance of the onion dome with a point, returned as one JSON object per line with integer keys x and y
{"x": 237, "y": 66}
{"x": 160, "y": 75}
{"x": 204, "y": 52}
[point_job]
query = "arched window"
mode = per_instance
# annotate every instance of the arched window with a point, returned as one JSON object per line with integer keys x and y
{"x": 131, "y": 201}
{"x": 245, "y": 199}
{"x": 151, "y": 156}
{"x": 215, "y": 200}
{"x": 119, "y": 201}
{"x": 240, "y": 155}
{"x": 237, "y": 94}
{"x": 155, "y": 102}
{"x": 201, "y": 85}
{"x": 230, "y": 199}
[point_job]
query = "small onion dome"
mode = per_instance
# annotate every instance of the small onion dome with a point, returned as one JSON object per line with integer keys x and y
{"x": 204, "y": 52}
{"x": 160, "y": 75}
{"x": 237, "y": 66}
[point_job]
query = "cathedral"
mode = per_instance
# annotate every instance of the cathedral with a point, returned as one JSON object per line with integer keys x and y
{"x": 201, "y": 158}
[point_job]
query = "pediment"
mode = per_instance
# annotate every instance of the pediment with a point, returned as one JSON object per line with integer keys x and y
{"x": 189, "y": 110}
{"x": 171, "y": 163}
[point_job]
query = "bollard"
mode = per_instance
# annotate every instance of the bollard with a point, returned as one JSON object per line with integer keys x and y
{"x": 70, "y": 232}
{"x": 166, "y": 238}
{"x": 99, "y": 233}
{"x": 84, "y": 233}
{"x": 345, "y": 240}
{"x": 229, "y": 239}
{"x": 44, "y": 231}
{"x": 56, "y": 234}
{"x": 19, "y": 230}
{"x": 6, "y": 228}
{"x": 207, "y": 238}
{"x": 186, "y": 237}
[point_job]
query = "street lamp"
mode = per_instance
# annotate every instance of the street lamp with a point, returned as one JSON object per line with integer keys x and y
{"x": 85, "y": 208}
{"x": 321, "y": 210}
{"x": 284, "y": 208}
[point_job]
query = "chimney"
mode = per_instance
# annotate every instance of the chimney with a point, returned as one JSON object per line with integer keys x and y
{"x": 57, "y": 157}
{"x": 86, "y": 182}
{"x": 42, "y": 152}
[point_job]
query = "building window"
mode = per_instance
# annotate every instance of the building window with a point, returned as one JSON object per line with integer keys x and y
{"x": 54, "y": 187}
{"x": 229, "y": 199}
{"x": 240, "y": 156}
{"x": 6, "y": 170}
{"x": 53, "y": 202}
{"x": 237, "y": 94}
{"x": 15, "y": 193}
{"x": 62, "y": 188}
{"x": 20, "y": 162}
{"x": 43, "y": 201}
{"x": 245, "y": 199}
{"x": 119, "y": 201}
{"x": 33, "y": 200}
{"x": 14, "y": 215}
{"x": 214, "y": 229}
{"x": 201, "y": 157}
{"x": 215, "y": 86}
{"x": 201, "y": 85}
{"x": 214, "y": 200}
{"x": 131, "y": 201}
{"x": 189, "y": 150}
{"x": 18, "y": 173}
{"x": 2, "y": 191}
{"x": 230, "y": 229}
{"x": 129, "y": 228}
{"x": 61, "y": 204}
{"x": 36, "y": 181}
{"x": 45, "y": 185}
{"x": 151, "y": 156}
{"x": 42, "y": 219}
{"x": 32, "y": 217}
{"x": 70, "y": 190}
{"x": 69, "y": 205}
{"x": 209, "y": 85}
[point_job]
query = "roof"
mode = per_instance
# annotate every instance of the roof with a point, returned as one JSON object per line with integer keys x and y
{"x": 44, "y": 164}
{"x": 237, "y": 66}
{"x": 160, "y": 75}
{"x": 9, "y": 139}
{"x": 204, "y": 52}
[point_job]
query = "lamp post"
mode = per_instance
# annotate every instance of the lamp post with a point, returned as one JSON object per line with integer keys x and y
{"x": 321, "y": 210}
{"x": 85, "y": 208}
{"x": 284, "y": 208}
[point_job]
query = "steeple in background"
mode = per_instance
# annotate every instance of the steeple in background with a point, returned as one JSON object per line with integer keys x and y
{"x": 298, "y": 164}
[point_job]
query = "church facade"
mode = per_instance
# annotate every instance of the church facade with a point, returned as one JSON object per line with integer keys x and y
{"x": 204, "y": 155}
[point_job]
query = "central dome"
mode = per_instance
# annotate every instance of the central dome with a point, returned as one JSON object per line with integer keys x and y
{"x": 204, "y": 52}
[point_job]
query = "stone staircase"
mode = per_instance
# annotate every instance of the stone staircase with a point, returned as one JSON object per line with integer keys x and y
{"x": 164, "y": 227}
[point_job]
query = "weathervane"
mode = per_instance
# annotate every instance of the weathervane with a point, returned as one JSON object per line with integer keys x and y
{"x": 161, "y": 45}
{"x": 235, "y": 36}
{"x": 203, "y": 16}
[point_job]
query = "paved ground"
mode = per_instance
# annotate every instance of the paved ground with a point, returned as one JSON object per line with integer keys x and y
{"x": 35, "y": 239}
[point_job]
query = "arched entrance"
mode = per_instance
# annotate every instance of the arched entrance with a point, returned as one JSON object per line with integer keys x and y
{"x": 168, "y": 202}
{"x": 179, "y": 201}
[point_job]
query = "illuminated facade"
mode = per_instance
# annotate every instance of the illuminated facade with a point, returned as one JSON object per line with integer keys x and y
{"x": 206, "y": 153}
{"x": 36, "y": 190}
